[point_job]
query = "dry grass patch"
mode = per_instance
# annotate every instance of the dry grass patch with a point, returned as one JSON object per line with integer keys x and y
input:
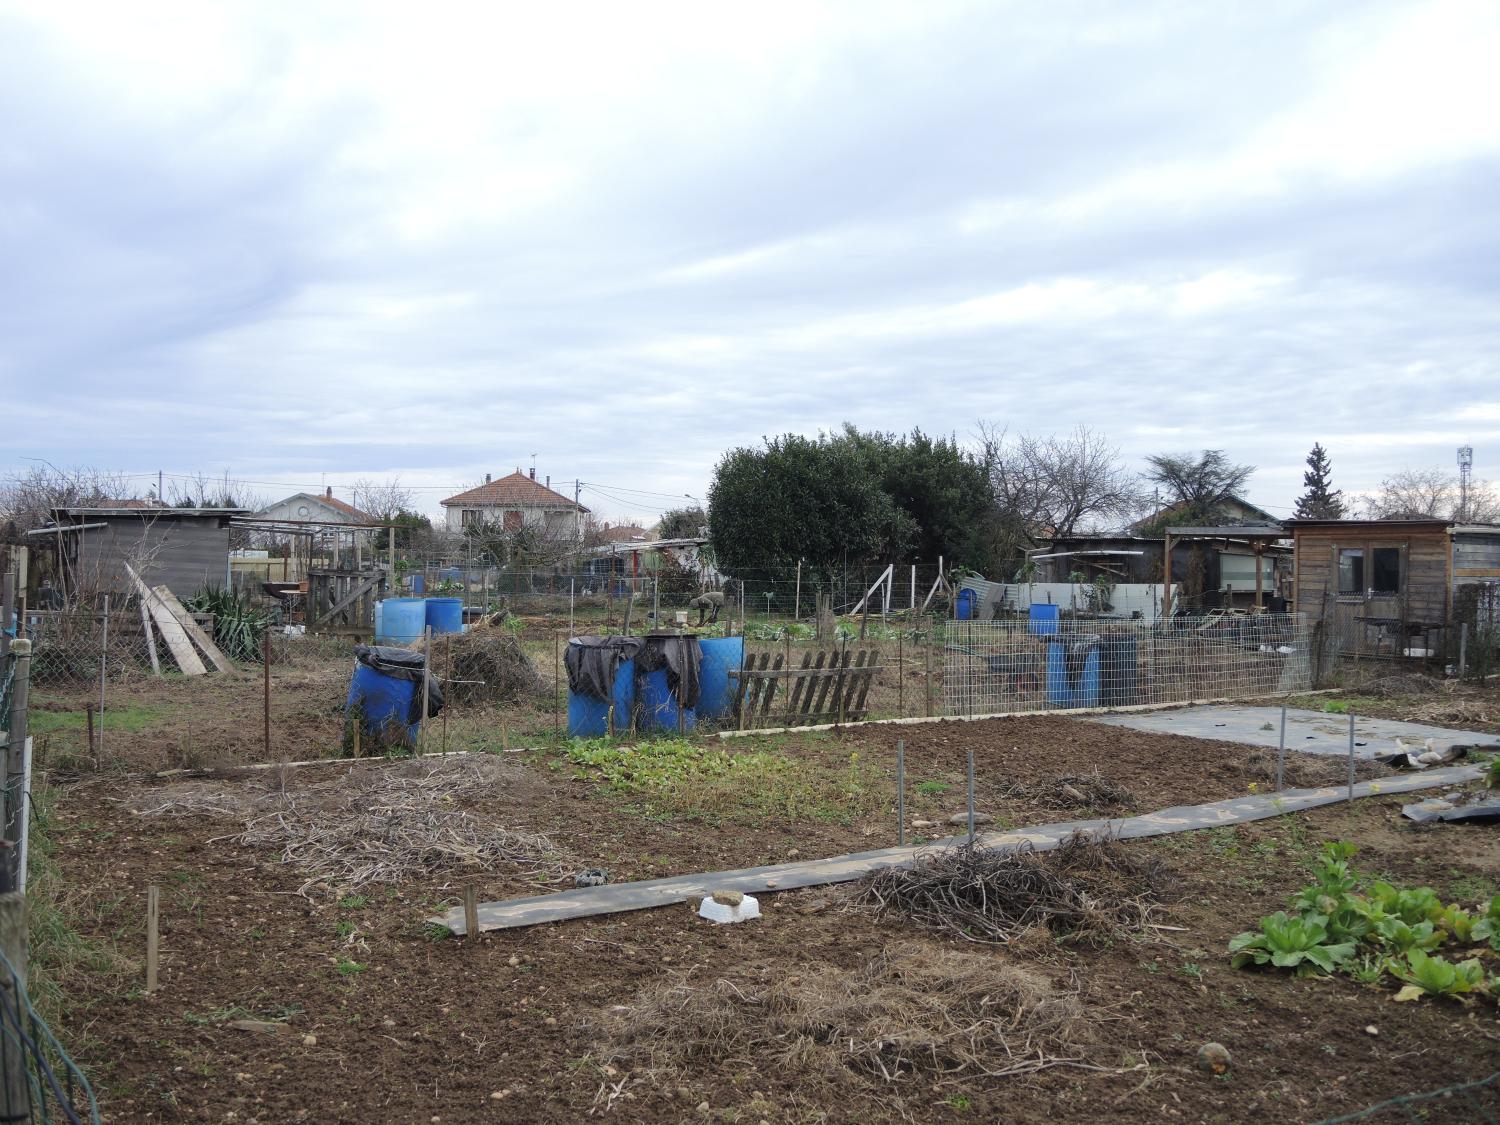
{"x": 913, "y": 1011}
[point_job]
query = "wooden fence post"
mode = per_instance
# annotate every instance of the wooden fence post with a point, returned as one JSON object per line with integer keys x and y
{"x": 15, "y": 761}
{"x": 15, "y": 1084}
{"x": 471, "y": 911}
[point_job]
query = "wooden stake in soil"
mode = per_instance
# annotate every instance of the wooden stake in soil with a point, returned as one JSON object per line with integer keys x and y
{"x": 471, "y": 911}
{"x": 901, "y": 792}
{"x": 265, "y": 660}
{"x": 153, "y": 937}
{"x": 88, "y": 715}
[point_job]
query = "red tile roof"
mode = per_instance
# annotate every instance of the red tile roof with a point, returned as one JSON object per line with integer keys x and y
{"x": 624, "y": 533}
{"x": 348, "y": 509}
{"x": 517, "y": 490}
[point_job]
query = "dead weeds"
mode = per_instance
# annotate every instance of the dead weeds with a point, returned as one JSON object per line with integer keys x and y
{"x": 912, "y": 1011}
{"x": 368, "y": 824}
{"x": 1075, "y": 791}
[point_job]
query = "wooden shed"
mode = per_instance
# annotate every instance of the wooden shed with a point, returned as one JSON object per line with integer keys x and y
{"x": 183, "y": 548}
{"x": 1387, "y": 587}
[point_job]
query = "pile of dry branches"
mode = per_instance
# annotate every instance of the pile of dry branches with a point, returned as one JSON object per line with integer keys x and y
{"x": 486, "y": 665}
{"x": 912, "y": 1011}
{"x": 1075, "y": 791}
{"x": 1085, "y": 889}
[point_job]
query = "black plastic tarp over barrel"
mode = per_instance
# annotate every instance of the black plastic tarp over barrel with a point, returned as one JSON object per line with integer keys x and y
{"x": 403, "y": 664}
{"x": 593, "y": 661}
{"x": 681, "y": 657}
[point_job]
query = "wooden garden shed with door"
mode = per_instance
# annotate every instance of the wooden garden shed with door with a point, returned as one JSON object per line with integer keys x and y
{"x": 1386, "y": 587}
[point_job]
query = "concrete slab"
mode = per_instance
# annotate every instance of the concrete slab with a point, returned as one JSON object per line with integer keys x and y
{"x": 1312, "y": 732}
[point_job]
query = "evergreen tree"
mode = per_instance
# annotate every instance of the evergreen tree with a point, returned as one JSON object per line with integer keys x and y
{"x": 1321, "y": 501}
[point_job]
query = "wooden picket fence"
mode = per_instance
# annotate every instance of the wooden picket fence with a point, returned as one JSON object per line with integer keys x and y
{"x": 830, "y": 687}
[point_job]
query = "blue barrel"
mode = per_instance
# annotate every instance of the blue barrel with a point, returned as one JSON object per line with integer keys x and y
{"x": 379, "y": 620}
{"x": 659, "y": 709}
{"x": 716, "y": 689}
{"x": 403, "y": 620}
{"x": 385, "y": 704}
{"x": 445, "y": 615}
{"x": 418, "y": 583}
{"x": 589, "y": 717}
{"x": 964, "y": 609}
{"x": 1076, "y": 686}
{"x": 1043, "y": 619}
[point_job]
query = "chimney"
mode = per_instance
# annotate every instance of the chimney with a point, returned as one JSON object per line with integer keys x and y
{"x": 329, "y": 494}
{"x": 549, "y": 480}
{"x": 533, "y": 472}
{"x": 486, "y": 478}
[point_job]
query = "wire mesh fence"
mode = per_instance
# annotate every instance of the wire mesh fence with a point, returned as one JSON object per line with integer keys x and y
{"x": 1061, "y": 664}
{"x": 38, "y": 1081}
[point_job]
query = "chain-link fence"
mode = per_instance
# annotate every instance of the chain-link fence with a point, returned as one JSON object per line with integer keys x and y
{"x": 1060, "y": 664}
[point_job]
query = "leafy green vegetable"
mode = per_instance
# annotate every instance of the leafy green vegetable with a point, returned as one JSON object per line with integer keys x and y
{"x": 1487, "y": 926}
{"x": 1290, "y": 943}
{"x": 1411, "y": 905}
{"x": 1430, "y": 975}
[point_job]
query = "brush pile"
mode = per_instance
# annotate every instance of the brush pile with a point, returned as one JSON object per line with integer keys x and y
{"x": 1085, "y": 890}
{"x": 913, "y": 1012}
{"x": 485, "y": 665}
{"x": 1075, "y": 791}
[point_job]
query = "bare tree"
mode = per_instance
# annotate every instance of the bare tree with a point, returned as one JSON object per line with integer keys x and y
{"x": 1056, "y": 486}
{"x": 382, "y": 500}
{"x": 27, "y": 500}
{"x": 1414, "y": 494}
{"x": 200, "y": 490}
{"x": 1200, "y": 483}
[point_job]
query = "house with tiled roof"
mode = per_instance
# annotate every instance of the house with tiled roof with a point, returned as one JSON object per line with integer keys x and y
{"x": 515, "y": 502}
{"x": 310, "y": 507}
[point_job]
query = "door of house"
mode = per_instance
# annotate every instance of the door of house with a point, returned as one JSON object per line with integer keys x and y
{"x": 512, "y": 521}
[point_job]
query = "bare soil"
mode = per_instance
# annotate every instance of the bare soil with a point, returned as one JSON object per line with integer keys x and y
{"x": 388, "y": 1023}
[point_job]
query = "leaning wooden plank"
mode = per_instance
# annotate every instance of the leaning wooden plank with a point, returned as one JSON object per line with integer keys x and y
{"x": 172, "y": 633}
{"x": 193, "y": 629}
{"x": 150, "y": 638}
{"x": 616, "y": 898}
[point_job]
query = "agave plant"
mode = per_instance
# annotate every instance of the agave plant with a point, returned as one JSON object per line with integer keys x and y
{"x": 238, "y": 625}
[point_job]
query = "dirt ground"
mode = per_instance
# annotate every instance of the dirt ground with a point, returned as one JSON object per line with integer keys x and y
{"x": 367, "y": 1015}
{"x": 370, "y": 1016}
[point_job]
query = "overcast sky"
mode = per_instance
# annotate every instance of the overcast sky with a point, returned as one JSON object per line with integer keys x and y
{"x": 312, "y": 241}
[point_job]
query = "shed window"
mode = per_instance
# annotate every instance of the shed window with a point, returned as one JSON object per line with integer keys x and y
{"x": 1352, "y": 570}
{"x": 1385, "y": 571}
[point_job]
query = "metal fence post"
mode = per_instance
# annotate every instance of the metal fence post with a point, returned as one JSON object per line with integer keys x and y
{"x": 901, "y": 792}
{"x": 15, "y": 761}
{"x": 1281, "y": 752}
{"x": 103, "y": 667}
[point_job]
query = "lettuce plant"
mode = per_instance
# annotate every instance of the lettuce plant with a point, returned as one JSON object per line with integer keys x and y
{"x": 1290, "y": 943}
{"x": 1429, "y": 975}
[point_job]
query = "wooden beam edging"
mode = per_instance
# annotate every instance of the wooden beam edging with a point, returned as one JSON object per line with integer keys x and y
{"x": 1057, "y": 712}
{"x": 615, "y": 898}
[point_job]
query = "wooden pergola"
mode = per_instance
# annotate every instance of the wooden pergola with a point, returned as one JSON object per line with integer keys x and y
{"x": 1257, "y": 536}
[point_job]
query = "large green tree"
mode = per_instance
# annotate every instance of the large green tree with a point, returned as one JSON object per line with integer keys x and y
{"x": 850, "y": 497}
{"x": 1200, "y": 483}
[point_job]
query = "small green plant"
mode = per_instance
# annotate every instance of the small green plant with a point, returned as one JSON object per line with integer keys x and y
{"x": 1336, "y": 707}
{"x": 1429, "y": 975}
{"x": 354, "y": 902}
{"x": 1492, "y": 772}
{"x": 1290, "y": 943}
{"x": 348, "y": 967}
{"x": 238, "y": 625}
{"x": 344, "y": 929}
{"x": 1487, "y": 926}
{"x": 933, "y": 788}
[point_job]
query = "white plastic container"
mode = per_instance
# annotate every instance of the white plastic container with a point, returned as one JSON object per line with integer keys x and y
{"x": 724, "y": 912}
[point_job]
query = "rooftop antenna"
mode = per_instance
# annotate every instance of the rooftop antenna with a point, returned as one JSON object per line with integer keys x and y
{"x": 1465, "y": 468}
